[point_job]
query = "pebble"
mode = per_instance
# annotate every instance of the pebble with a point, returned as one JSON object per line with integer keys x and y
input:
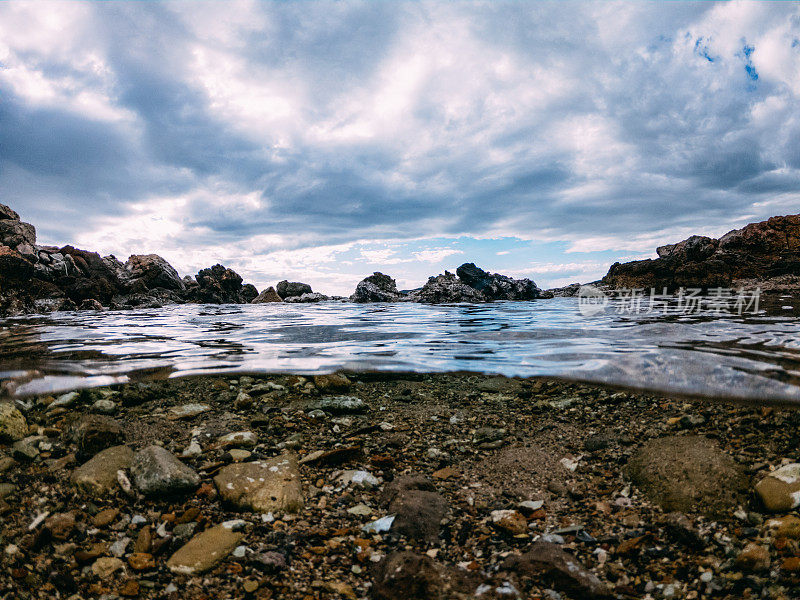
{"x": 780, "y": 490}
{"x": 104, "y": 567}
{"x": 363, "y": 479}
{"x": 187, "y": 411}
{"x": 204, "y": 551}
{"x": 13, "y": 426}
{"x": 239, "y": 439}
{"x": 157, "y": 471}
{"x": 340, "y": 404}
{"x": 104, "y": 406}
{"x": 753, "y": 558}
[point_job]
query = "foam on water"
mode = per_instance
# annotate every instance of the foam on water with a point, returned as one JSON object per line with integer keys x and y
{"x": 751, "y": 356}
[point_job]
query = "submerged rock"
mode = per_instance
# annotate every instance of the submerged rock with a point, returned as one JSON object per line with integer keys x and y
{"x": 12, "y": 423}
{"x": 339, "y": 405}
{"x": 688, "y": 473}
{"x": 548, "y": 563}
{"x": 205, "y": 550}
{"x": 262, "y": 486}
{"x": 780, "y": 490}
{"x": 157, "y": 471}
{"x": 98, "y": 476}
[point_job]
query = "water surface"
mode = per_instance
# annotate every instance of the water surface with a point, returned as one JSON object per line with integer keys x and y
{"x": 753, "y": 356}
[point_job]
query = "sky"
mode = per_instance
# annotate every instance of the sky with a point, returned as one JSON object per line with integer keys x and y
{"x": 321, "y": 141}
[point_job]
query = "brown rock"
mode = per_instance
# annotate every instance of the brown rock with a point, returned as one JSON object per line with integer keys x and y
{"x": 335, "y": 382}
{"x": 105, "y": 517}
{"x": 204, "y": 551}
{"x": 780, "y": 490}
{"x": 753, "y": 558}
{"x": 268, "y": 295}
{"x": 549, "y": 564}
{"x": 141, "y": 561}
{"x": 262, "y": 486}
{"x": 510, "y": 521}
{"x": 417, "y": 507}
{"x": 93, "y": 433}
{"x": 785, "y": 527}
{"x": 407, "y": 576}
{"x": 687, "y": 473}
{"x": 60, "y": 525}
{"x": 144, "y": 540}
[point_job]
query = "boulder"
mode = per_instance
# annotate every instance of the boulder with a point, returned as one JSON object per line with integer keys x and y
{"x": 262, "y": 486}
{"x": 497, "y": 287}
{"x": 417, "y": 506}
{"x": 268, "y": 295}
{"x": 376, "y": 288}
{"x": 688, "y": 473}
{"x": 288, "y": 289}
{"x": 220, "y": 285}
{"x": 14, "y": 233}
{"x": 154, "y": 272}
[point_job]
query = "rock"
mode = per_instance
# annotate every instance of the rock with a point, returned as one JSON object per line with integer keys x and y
{"x": 156, "y": 471}
{"x": 753, "y": 558}
{"x": 14, "y": 233}
{"x": 104, "y": 406}
{"x": 98, "y": 476}
{"x": 334, "y": 382}
{"x": 141, "y": 561}
{"x": 376, "y": 288}
{"x": 205, "y": 550}
{"x": 407, "y": 576}
{"x": 105, "y": 566}
{"x": 153, "y": 272}
{"x": 90, "y": 304}
{"x": 549, "y": 564}
{"x": 220, "y": 285}
{"x": 758, "y": 251}
{"x": 417, "y": 506}
{"x": 270, "y": 562}
{"x": 446, "y": 288}
{"x": 105, "y": 517}
{"x": 239, "y": 439}
{"x": 339, "y": 405}
{"x": 13, "y": 265}
{"x": 187, "y": 411}
{"x": 362, "y": 479}
{"x": 306, "y": 298}
{"x": 60, "y": 525}
{"x": 510, "y": 521}
{"x": 268, "y": 295}
{"x": 288, "y": 289}
{"x": 93, "y": 433}
{"x": 262, "y": 486}
{"x": 13, "y": 426}
{"x": 780, "y": 490}
{"x": 687, "y": 473}
{"x": 785, "y": 527}
{"x": 497, "y": 287}
{"x": 25, "y": 450}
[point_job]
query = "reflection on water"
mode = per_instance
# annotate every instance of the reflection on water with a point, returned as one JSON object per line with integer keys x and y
{"x": 751, "y": 356}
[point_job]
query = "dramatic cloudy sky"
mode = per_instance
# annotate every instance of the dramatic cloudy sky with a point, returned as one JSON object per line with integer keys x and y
{"x": 320, "y": 141}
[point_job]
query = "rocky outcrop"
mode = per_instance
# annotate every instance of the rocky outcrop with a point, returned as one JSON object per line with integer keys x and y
{"x": 764, "y": 252}
{"x": 376, "y": 288}
{"x": 36, "y": 278}
{"x": 473, "y": 284}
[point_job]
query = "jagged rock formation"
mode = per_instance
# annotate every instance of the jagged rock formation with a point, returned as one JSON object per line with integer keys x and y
{"x": 36, "y": 278}
{"x": 767, "y": 253}
{"x": 471, "y": 284}
{"x": 376, "y": 288}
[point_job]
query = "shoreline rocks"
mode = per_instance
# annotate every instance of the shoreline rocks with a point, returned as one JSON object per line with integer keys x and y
{"x": 764, "y": 252}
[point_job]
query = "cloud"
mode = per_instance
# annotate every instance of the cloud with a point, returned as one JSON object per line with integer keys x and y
{"x": 322, "y": 140}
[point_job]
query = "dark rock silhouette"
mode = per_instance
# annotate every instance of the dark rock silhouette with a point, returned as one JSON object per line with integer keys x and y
{"x": 268, "y": 295}
{"x": 765, "y": 252}
{"x": 376, "y": 288}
